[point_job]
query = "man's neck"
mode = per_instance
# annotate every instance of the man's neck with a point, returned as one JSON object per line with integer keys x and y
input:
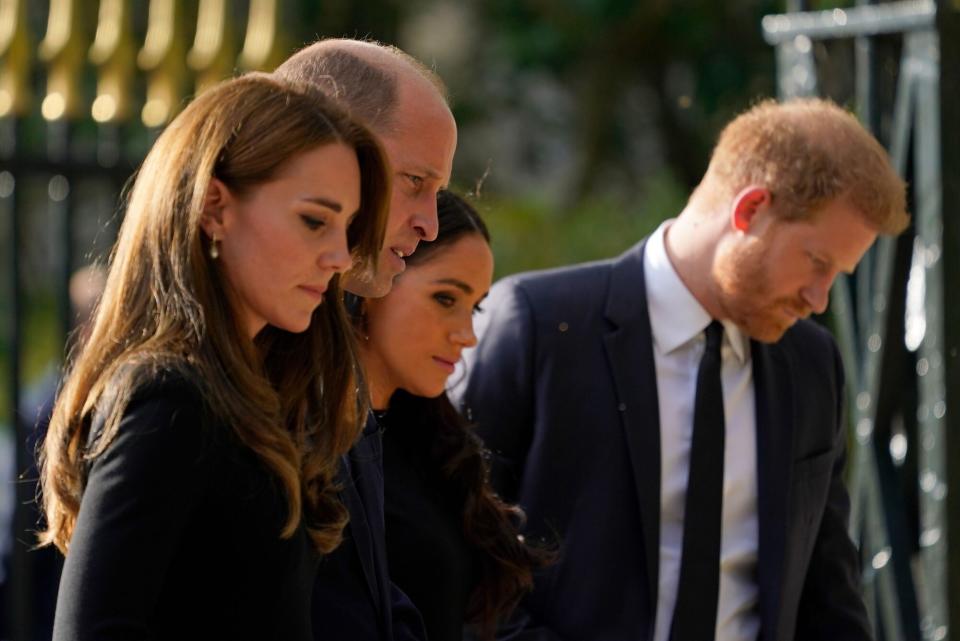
{"x": 691, "y": 244}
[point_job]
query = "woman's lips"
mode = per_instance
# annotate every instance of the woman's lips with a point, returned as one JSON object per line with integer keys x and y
{"x": 314, "y": 291}
{"x": 445, "y": 363}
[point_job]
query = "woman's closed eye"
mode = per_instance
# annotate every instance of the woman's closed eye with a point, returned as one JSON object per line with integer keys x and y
{"x": 312, "y": 222}
{"x": 445, "y": 299}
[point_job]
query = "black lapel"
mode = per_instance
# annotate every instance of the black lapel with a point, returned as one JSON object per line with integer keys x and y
{"x": 359, "y": 527}
{"x": 774, "y": 392}
{"x": 629, "y": 347}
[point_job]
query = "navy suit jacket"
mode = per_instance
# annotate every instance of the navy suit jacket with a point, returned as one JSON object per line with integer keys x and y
{"x": 563, "y": 389}
{"x": 353, "y": 597}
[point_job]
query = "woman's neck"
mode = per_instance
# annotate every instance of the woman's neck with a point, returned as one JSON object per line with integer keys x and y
{"x": 380, "y": 391}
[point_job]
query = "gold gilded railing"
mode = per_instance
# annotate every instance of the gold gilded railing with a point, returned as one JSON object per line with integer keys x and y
{"x": 112, "y": 53}
{"x": 15, "y": 56}
{"x": 180, "y": 49}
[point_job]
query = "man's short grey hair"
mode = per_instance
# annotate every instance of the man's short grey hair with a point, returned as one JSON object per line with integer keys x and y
{"x": 367, "y": 89}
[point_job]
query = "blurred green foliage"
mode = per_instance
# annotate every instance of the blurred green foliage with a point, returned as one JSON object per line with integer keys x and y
{"x": 528, "y": 234}
{"x": 41, "y": 346}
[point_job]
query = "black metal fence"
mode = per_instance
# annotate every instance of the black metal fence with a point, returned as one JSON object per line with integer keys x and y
{"x": 894, "y": 62}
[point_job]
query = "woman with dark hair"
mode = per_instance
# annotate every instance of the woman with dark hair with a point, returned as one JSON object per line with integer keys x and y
{"x": 188, "y": 468}
{"x": 453, "y": 545}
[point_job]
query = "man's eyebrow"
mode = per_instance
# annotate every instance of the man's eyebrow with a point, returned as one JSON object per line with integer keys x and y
{"x": 456, "y": 282}
{"x": 324, "y": 202}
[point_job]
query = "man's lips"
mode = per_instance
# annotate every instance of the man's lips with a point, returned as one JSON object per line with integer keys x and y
{"x": 401, "y": 252}
{"x": 794, "y": 313}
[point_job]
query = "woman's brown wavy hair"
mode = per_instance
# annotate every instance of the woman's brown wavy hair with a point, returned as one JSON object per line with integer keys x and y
{"x": 291, "y": 398}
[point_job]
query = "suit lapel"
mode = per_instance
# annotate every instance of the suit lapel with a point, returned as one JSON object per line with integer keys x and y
{"x": 358, "y": 526}
{"x": 629, "y": 349}
{"x": 773, "y": 389}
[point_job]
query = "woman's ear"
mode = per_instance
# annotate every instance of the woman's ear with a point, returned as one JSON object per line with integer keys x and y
{"x": 217, "y": 200}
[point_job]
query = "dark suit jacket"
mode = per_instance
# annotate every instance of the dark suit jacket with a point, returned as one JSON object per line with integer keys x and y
{"x": 563, "y": 388}
{"x": 353, "y": 597}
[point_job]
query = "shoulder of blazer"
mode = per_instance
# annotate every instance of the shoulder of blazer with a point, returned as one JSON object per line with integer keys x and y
{"x": 572, "y": 287}
{"x": 811, "y": 353}
{"x": 810, "y": 344}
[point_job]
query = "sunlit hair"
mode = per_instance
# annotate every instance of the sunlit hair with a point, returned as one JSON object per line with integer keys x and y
{"x": 490, "y": 525}
{"x": 167, "y": 306}
{"x": 807, "y": 152}
{"x": 365, "y": 83}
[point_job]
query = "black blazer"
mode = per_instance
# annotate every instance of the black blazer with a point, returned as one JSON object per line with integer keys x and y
{"x": 353, "y": 597}
{"x": 563, "y": 387}
{"x": 178, "y": 535}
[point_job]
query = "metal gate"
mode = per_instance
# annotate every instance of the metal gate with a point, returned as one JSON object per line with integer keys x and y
{"x": 898, "y": 331}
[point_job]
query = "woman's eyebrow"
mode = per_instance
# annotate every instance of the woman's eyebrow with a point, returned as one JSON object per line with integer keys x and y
{"x": 459, "y": 284}
{"x": 324, "y": 202}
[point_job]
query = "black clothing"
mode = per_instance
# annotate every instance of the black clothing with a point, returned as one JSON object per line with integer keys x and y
{"x": 353, "y": 596}
{"x": 178, "y": 535}
{"x": 430, "y": 559}
{"x": 698, "y": 584}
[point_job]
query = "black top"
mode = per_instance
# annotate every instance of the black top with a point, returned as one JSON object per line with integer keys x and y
{"x": 430, "y": 559}
{"x": 353, "y": 596}
{"x": 178, "y": 535}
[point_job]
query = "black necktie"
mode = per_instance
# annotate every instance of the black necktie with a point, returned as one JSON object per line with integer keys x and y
{"x": 695, "y": 615}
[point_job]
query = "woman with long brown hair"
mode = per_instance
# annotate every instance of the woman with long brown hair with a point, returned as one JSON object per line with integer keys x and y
{"x": 453, "y": 545}
{"x": 188, "y": 468}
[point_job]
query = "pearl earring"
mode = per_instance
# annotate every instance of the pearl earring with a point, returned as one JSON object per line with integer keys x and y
{"x": 214, "y": 248}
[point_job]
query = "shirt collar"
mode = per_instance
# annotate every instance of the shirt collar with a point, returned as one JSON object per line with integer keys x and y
{"x": 676, "y": 317}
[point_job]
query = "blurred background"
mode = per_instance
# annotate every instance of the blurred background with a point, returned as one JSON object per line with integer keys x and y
{"x": 582, "y": 125}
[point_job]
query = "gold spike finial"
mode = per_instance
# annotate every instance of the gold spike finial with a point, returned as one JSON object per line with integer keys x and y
{"x": 62, "y": 50}
{"x": 113, "y": 53}
{"x": 213, "y": 46}
{"x": 15, "y": 58}
{"x": 162, "y": 57}
{"x": 263, "y": 47}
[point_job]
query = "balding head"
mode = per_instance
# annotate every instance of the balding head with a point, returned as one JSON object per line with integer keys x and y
{"x": 405, "y": 104}
{"x": 367, "y": 77}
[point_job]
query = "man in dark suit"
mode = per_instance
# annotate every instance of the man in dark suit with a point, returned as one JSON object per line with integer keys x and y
{"x": 405, "y": 106}
{"x": 672, "y": 417}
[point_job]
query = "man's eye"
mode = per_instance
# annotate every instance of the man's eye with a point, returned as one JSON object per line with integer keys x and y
{"x": 416, "y": 181}
{"x": 311, "y": 222}
{"x": 818, "y": 263}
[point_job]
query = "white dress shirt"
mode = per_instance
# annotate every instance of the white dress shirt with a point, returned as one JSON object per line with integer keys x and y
{"x": 678, "y": 321}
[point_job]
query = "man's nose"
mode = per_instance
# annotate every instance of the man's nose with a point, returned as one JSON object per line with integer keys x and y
{"x": 424, "y": 221}
{"x": 817, "y": 295}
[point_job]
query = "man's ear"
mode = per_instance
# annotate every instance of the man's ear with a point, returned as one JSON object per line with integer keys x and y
{"x": 217, "y": 199}
{"x": 747, "y": 204}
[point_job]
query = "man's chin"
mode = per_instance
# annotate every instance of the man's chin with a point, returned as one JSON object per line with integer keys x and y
{"x": 766, "y": 331}
{"x": 367, "y": 287}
